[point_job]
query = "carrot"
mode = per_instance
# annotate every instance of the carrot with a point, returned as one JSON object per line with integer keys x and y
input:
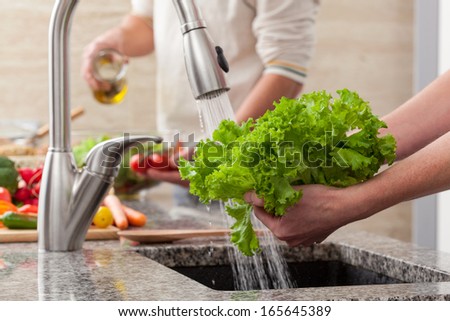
{"x": 134, "y": 217}
{"x": 114, "y": 204}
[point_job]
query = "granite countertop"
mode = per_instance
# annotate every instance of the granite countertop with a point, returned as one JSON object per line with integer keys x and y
{"x": 111, "y": 270}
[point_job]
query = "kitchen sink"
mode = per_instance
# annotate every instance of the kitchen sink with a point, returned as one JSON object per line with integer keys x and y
{"x": 320, "y": 265}
{"x": 303, "y": 274}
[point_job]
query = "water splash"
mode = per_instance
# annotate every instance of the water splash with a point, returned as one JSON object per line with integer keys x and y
{"x": 266, "y": 270}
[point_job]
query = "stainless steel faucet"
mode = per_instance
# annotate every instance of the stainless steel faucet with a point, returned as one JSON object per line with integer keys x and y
{"x": 205, "y": 62}
{"x": 70, "y": 197}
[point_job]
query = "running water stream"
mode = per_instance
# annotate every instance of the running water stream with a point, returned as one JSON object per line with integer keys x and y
{"x": 267, "y": 270}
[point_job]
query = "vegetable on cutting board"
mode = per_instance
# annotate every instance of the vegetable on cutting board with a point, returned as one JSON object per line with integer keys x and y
{"x": 28, "y": 209}
{"x": 6, "y": 206}
{"x": 113, "y": 203}
{"x": 13, "y": 220}
{"x": 134, "y": 217}
{"x": 103, "y": 218}
{"x": 8, "y": 174}
{"x": 5, "y": 195}
{"x": 315, "y": 139}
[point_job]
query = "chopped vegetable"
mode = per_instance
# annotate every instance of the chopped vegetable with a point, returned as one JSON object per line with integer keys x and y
{"x": 311, "y": 140}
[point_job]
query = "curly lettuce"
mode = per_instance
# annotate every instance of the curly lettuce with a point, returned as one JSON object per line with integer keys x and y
{"x": 316, "y": 139}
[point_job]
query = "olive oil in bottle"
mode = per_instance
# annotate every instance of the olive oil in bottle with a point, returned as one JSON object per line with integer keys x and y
{"x": 114, "y": 95}
{"x": 110, "y": 70}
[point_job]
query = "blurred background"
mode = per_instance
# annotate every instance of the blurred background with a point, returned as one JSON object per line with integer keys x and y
{"x": 366, "y": 46}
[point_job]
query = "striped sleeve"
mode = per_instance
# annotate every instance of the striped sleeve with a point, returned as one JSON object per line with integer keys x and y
{"x": 285, "y": 32}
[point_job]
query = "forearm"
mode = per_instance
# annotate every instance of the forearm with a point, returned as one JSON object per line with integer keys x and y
{"x": 269, "y": 88}
{"x": 133, "y": 37}
{"x": 422, "y": 119}
{"x": 138, "y": 36}
{"x": 423, "y": 173}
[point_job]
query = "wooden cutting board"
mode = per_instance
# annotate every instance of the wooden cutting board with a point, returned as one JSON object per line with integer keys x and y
{"x": 164, "y": 236}
{"x": 13, "y": 236}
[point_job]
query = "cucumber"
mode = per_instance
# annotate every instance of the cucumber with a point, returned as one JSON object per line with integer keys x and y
{"x": 15, "y": 221}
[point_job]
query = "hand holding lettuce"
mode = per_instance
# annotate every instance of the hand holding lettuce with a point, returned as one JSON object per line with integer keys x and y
{"x": 316, "y": 139}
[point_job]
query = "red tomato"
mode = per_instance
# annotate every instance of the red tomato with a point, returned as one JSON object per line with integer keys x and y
{"x": 5, "y": 195}
{"x": 157, "y": 161}
{"x": 140, "y": 164}
{"x": 136, "y": 163}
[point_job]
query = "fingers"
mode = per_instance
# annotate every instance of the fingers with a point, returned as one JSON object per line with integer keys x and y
{"x": 173, "y": 163}
{"x": 253, "y": 199}
{"x": 171, "y": 176}
{"x": 287, "y": 228}
{"x": 185, "y": 152}
{"x": 308, "y": 241}
{"x": 89, "y": 78}
{"x": 267, "y": 219}
{"x": 86, "y": 68}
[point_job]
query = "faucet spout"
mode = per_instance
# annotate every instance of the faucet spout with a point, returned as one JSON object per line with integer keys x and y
{"x": 59, "y": 95}
{"x": 69, "y": 197}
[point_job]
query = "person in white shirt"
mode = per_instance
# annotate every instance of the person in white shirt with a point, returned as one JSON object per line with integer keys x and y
{"x": 268, "y": 45}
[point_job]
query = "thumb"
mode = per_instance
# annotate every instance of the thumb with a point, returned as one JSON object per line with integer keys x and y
{"x": 252, "y": 198}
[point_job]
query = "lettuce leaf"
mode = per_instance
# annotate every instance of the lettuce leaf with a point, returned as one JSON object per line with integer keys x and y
{"x": 316, "y": 139}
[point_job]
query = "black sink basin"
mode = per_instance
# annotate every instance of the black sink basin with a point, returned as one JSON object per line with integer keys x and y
{"x": 303, "y": 274}
{"x": 320, "y": 265}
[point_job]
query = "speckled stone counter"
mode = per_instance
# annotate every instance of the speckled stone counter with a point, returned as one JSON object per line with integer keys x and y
{"x": 110, "y": 271}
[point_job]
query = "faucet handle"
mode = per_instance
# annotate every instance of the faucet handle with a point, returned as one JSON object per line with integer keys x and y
{"x": 105, "y": 158}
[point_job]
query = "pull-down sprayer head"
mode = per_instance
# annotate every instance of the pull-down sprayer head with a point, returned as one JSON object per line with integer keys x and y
{"x": 205, "y": 62}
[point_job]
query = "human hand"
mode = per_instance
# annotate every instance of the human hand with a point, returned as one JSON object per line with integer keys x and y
{"x": 110, "y": 40}
{"x": 170, "y": 176}
{"x": 320, "y": 212}
{"x": 169, "y": 171}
